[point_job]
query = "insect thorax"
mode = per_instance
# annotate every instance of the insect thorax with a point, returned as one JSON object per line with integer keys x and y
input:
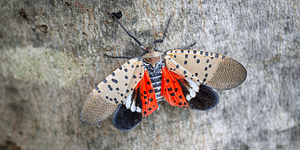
{"x": 155, "y": 74}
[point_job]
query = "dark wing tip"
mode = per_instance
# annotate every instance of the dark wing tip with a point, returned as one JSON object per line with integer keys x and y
{"x": 205, "y": 99}
{"x": 125, "y": 120}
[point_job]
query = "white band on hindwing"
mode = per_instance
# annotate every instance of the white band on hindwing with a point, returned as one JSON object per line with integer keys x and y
{"x": 131, "y": 104}
{"x": 193, "y": 89}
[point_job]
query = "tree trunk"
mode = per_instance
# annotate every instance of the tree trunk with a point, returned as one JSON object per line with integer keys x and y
{"x": 52, "y": 56}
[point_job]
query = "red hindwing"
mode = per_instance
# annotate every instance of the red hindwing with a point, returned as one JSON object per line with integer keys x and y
{"x": 171, "y": 89}
{"x": 147, "y": 93}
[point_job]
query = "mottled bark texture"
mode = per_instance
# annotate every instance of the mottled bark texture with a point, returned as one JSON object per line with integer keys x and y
{"x": 51, "y": 57}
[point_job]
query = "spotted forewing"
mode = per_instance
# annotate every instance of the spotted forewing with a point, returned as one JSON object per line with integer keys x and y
{"x": 211, "y": 69}
{"x": 105, "y": 98}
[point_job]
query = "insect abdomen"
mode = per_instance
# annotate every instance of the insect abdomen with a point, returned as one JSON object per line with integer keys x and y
{"x": 155, "y": 78}
{"x": 155, "y": 75}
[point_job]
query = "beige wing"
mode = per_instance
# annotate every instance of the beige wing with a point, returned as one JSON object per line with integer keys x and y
{"x": 105, "y": 98}
{"x": 214, "y": 70}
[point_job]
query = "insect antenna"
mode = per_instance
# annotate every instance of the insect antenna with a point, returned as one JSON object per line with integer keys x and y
{"x": 161, "y": 40}
{"x": 116, "y": 18}
{"x": 118, "y": 14}
{"x": 110, "y": 56}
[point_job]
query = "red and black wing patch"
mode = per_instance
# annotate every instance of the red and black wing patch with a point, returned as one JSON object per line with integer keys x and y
{"x": 140, "y": 103}
{"x": 148, "y": 99}
{"x": 171, "y": 89}
{"x": 182, "y": 92}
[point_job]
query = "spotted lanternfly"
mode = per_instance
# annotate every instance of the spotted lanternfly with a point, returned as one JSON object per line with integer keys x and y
{"x": 183, "y": 77}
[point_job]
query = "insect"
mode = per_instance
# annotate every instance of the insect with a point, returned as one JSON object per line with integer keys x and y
{"x": 183, "y": 77}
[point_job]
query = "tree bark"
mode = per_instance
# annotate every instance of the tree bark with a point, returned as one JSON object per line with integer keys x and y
{"x": 52, "y": 57}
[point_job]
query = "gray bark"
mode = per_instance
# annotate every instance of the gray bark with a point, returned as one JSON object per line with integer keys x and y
{"x": 52, "y": 57}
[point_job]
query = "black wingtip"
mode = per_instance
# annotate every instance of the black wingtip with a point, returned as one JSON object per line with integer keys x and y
{"x": 125, "y": 120}
{"x": 205, "y": 99}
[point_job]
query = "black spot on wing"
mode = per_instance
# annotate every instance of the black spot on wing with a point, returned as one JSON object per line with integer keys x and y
{"x": 114, "y": 80}
{"x": 109, "y": 87}
{"x": 175, "y": 89}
